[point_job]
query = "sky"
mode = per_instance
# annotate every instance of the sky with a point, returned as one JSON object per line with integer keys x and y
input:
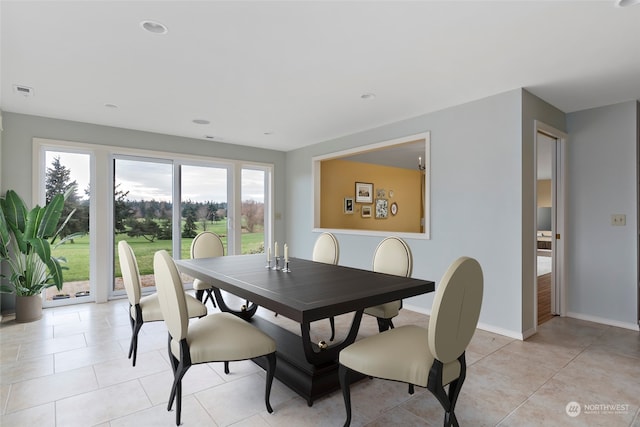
{"x": 150, "y": 180}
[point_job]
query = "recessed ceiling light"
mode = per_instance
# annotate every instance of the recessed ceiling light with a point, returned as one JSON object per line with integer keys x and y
{"x": 269, "y": 132}
{"x": 368, "y": 96}
{"x": 625, "y": 3}
{"x": 201, "y": 121}
{"x": 154, "y": 27}
{"x": 110, "y": 105}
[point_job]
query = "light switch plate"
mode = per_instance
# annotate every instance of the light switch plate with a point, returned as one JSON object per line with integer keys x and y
{"x": 618, "y": 219}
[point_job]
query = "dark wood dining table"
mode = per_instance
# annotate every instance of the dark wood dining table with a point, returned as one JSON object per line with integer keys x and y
{"x": 311, "y": 291}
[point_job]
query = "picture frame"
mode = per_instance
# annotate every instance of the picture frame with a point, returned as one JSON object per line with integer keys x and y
{"x": 394, "y": 208}
{"x": 382, "y": 208}
{"x": 348, "y": 205}
{"x": 364, "y": 192}
{"x": 366, "y": 211}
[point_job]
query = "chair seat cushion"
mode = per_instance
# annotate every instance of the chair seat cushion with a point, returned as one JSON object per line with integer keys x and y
{"x": 223, "y": 337}
{"x": 151, "y": 308}
{"x": 199, "y": 285}
{"x": 400, "y": 354}
{"x": 384, "y": 311}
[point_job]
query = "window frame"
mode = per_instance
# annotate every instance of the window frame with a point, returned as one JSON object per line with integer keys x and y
{"x": 316, "y": 202}
{"x": 101, "y": 212}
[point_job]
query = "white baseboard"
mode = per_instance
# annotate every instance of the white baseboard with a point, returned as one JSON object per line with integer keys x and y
{"x": 603, "y": 321}
{"x": 417, "y": 309}
{"x": 501, "y": 331}
{"x": 483, "y": 326}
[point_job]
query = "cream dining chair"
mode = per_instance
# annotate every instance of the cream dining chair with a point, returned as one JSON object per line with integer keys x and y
{"x": 392, "y": 256}
{"x": 218, "y": 337}
{"x": 206, "y": 245}
{"x": 147, "y": 308}
{"x": 432, "y": 357}
{"x": 326, "y": 250}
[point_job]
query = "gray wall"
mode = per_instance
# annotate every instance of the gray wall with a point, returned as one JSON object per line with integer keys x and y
{"x": 602, "y": 261}
{"x": 481, "y": 191}
{"x": 20, "y": 129}
{"x": 476, "y": 201}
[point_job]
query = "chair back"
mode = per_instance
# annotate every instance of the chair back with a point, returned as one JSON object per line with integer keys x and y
{"x": 326, "y": 249}
{"x": 130, "y": 272}
{"x": 393, "y": 256}
{"x": 171, "y": 295}
{"x": 207, "y": 245}
{"x": 456, "y": 309}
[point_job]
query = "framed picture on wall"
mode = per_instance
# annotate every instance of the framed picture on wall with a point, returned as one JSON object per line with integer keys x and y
{"x": 382, "y": 208}
{"x": 364, "y": 192}
{"x": 366, "y": 211}
{"x": 348, "y": 205}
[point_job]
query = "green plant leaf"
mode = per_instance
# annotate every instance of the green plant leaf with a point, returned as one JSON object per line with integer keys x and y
{"x": 31, "y": 224}
{"x": 50, "y": 217}
{"x": 56, "y": 273}
{"x": 41, "y": 247}
{"x": 70, "y": 237}
{"x": 5, "y": 236}
{"x": 15, "y": 211}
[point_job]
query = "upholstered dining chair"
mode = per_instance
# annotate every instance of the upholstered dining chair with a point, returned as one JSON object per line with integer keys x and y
{"x": 147, "y": 308}
{"x": 218, "y": 337}
{"x": 392, "y": 256}
{"x": 432, "y": 357}
{"x": 206, "y": 245}
{"x": 326, "y": 250}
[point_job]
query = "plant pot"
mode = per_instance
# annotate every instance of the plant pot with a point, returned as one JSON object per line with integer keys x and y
{"x": 28, "y": 308}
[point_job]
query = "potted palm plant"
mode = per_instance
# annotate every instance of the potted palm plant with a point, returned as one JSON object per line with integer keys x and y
{"x": 26, "y": 240}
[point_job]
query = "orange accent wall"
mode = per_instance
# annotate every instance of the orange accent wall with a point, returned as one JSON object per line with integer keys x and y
{"x": 337, "y": 181}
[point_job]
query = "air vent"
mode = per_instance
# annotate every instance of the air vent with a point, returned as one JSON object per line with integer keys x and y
{"x": 23, "y": 90}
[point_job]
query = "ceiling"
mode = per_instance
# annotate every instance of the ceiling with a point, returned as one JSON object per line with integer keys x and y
{"x": 283, "y": 75}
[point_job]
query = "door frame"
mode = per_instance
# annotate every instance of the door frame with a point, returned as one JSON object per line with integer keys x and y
{"x": 558, "y": 218}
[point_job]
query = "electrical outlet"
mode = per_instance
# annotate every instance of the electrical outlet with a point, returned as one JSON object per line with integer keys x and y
{"x": 618, "y": 219}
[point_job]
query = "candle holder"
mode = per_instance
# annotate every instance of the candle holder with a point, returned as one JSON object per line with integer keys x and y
{"x": 276, "y": 266}
{"x": 286, "y": 268}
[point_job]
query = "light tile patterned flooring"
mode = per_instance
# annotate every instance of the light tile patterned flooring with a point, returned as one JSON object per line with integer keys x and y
{"x": 71, "y": 369}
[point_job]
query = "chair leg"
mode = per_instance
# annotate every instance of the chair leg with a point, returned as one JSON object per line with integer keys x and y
{"x": 199, "y": 294}
{"x": 447, "y": 400}
{"x": 226, "y": 367}
{"x": 411, "y": 389}
{"x": 271, "y": 369}
{"x": 384, "y": 324}
{"x": 210, "y": 297}
{"x": 136, "y": 324}
{"x": 344, "y": 375}
{"x": 180, "y": 367}
{"x": 332, "y": 321}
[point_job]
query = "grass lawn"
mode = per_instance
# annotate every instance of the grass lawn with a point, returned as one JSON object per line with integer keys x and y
{"x": 77, "y": 253}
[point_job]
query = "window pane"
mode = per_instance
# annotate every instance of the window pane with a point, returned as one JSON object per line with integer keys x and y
{"x": 204, "y": 204}
{"x": 252, "y": 210}
{"x": 63, "y": 171}
{"x": 142, "y": 213}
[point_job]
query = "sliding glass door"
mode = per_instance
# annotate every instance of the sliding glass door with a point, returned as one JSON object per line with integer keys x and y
{"x": 142, "y": 213}
{"x": 69, "y": 172}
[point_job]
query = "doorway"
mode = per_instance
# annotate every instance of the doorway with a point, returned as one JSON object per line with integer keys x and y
{"x": 550, "y": 295}
{"x": 544, "y": 229}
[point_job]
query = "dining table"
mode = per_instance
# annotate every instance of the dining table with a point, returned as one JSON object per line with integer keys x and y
{"x": 307, "y": 292}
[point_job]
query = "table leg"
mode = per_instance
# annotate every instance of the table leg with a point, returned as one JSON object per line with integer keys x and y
{"x": 246, "y": 314}
{"x": 315, "y": 355}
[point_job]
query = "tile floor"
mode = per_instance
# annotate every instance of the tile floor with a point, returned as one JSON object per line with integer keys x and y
{"x": 71, "y": 369}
